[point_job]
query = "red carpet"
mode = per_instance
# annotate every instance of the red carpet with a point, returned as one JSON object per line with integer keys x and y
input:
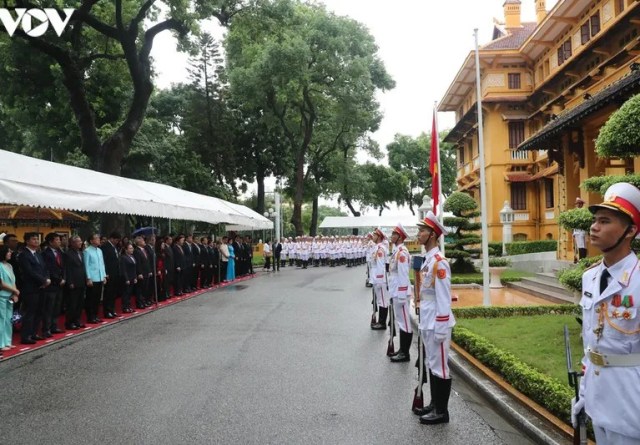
{"x": 21, "y": 349}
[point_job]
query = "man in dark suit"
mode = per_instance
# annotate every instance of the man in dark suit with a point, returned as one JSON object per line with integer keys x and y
{"x": 179, "y": 265}
{"x": 277, "y": 253}
{"x": 169, "y": 266}
{"x": 75, "y": 284}
{"x": 35, "y": 279}
{"x": 52, "y": 306}
{"x": 150, "y": 241}
{"x": 214, "y": 253}
{"x": 188, "y": 264}
{"x": 204, "y": 262}
{"x": 248, "y": 242}
{"x": 238, "y": 254}
{"x": 144, "y": 273}
{"x": 195, "y": 272}
{"x": 112, "y": 266}
{"x": 238, "y": 247}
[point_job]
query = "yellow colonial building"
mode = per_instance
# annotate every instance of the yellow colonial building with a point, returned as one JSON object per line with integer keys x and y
{"x": 546, "y": 87}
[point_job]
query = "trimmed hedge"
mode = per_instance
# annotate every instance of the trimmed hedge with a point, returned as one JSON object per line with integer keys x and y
{"x": 511, "y": 311}
{"x": 477, "y": 278}
{"x": 545, "y": 390}
{"x": 521, "y": 247}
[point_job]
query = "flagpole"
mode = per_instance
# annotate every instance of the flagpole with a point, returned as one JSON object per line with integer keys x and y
{"x": 486, "y": 296}
{"x": 440, "y": 211}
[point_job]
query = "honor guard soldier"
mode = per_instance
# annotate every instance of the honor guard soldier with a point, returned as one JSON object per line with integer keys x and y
{"x": 379, "y": 281}
{"x": 436, "y": 319}
{"x": 400, "y": 290}
{"x": 610, "y": 389}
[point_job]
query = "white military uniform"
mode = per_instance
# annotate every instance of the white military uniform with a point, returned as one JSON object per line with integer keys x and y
{"x": 610, "y": 388}
{"x": 611, "y": 325}
{"x": 435, "y": 311}
{"x": 378, "y": 278}
{"x": 400, "y": 287}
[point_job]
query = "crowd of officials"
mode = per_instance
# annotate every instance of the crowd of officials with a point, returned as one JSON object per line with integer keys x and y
{"x": 40, "y": 282}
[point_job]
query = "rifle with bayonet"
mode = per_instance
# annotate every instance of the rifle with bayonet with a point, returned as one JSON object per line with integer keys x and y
{"x": 580, "y": 428}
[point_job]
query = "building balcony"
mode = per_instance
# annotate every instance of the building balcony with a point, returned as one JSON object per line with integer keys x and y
{"x": 549, "y": 214}
{"x": 519, "y": 155}
{"x": 520, "y": 216}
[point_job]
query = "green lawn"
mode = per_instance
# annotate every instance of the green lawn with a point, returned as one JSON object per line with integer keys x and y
{"x": 536, "y": 340}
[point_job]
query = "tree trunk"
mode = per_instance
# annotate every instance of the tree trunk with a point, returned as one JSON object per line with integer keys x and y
{"x": 313, "y": 230}
{"x": 296, "y": 218}
{"x": 260, "y": 182}
{"x": 352, "y": 209}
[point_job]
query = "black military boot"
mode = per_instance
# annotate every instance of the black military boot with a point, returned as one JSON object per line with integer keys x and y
{"x": 441, "y": 400}
{"x": 381, "y": 325}
{"x": 430, "y": 407}
{"x": 405, "y": 343}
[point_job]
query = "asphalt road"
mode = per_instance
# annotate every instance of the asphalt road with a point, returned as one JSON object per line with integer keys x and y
{"x": 285, "y": 358}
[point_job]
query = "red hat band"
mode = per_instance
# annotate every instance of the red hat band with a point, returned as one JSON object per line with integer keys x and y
{"x": 433, "y": 226}
{"x": 400, "y": 232}
{"x": 628, "y": 208}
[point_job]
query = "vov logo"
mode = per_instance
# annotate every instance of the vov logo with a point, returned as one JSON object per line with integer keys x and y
{"x": 43, "y": 17}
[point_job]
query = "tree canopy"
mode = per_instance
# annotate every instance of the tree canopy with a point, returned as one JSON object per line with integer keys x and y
{"x": 301, "y": 65}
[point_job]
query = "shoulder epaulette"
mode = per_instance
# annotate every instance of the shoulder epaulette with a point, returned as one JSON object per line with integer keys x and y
{"x": 439, "y": 257}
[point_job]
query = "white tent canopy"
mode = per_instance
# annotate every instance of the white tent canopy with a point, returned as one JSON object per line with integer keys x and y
{"x": 39, "y": 183}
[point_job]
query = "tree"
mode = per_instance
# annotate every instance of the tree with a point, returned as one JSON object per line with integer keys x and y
{"x": 384, "y": 186}
{"x": 411, "y": 156}
{"x": 619, "y": 137}
{"x": 295, "y": 62}
{"x": 463, "y": 207}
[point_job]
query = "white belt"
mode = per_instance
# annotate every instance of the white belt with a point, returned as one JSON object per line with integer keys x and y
{"x": 427, "y": 297}
{"x": 605, "y": 360}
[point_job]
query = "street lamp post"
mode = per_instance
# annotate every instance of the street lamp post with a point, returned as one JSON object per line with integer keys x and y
{"x": 424, "y": 207}
{"x": 506, "y": 218}
{"x": 272, "y": 214}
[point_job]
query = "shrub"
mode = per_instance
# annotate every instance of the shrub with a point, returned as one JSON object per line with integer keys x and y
{"x": 521, "y": 247}
{"x": 619, "y": 137}
{"x": 463, "y": 207}
{"x": 600, "y": 184}
{"x": 547, "y": 391}
{"x": 576, "y": 219}
{"x": 495, "y": 248}
{"x": 511, "y": 311}
{"x": 572, "y": 278}
{"x": 499, "y": 262}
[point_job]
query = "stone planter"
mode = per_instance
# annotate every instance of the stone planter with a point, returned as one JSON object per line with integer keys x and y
{"x": 494, "y": 281}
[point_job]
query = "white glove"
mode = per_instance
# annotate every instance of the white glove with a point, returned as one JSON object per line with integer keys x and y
{"x": 576, "y": 407}
{"x": 440, "y": 337}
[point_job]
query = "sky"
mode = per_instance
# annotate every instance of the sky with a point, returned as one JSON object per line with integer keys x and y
{"x": 422, "y": 44}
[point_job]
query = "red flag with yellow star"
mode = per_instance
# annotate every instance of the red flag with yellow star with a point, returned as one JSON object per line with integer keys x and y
{"x": 434, "y": 164}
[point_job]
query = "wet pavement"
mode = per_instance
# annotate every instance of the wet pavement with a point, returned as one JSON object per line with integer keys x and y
{"x": 499, "y": 297}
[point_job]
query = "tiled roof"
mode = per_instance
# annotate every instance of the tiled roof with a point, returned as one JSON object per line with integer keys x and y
{"x": 514, "y": 40}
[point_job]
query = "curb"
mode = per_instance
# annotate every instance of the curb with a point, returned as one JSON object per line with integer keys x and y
{"x": 539, "y": 430}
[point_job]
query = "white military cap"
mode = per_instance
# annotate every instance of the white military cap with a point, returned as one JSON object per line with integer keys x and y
{"x": 432, "y": 222}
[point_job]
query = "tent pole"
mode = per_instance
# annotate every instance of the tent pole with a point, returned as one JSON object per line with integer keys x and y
{"x": 38, "y": 224}
{"x": 155, "y": 265}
